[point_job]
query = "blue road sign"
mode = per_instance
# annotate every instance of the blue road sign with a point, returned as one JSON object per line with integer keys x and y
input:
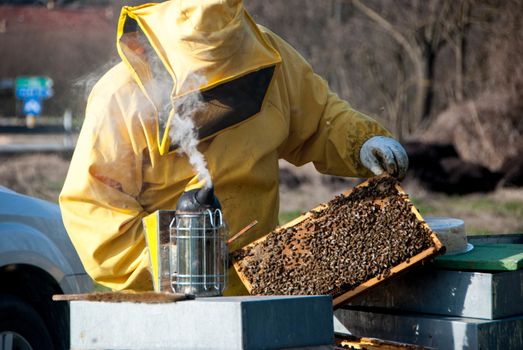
{"x": 32, "y": 106}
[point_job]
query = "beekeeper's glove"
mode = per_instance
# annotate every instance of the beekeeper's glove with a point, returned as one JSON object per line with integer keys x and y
{"x": 384, "y": 154}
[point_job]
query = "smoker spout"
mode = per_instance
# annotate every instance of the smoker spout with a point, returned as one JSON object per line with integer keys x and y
{"x": 197, "y": 200}
{"x": 205, "y": 196}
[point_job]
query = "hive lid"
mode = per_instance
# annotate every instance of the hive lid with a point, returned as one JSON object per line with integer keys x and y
{"x": 486, "y": 257}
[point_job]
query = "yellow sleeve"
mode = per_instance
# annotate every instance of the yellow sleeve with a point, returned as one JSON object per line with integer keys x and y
{"x": 323, "y": 128}
{"x": 99, "y": 198}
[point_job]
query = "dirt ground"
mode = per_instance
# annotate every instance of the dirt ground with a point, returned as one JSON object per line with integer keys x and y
{"x": 42, "y": 176}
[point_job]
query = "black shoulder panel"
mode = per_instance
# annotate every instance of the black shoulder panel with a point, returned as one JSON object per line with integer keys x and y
{"x": 227, "y": 104}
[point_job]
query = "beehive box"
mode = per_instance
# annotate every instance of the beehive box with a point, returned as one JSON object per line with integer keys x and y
{"x": 341, "y": 248}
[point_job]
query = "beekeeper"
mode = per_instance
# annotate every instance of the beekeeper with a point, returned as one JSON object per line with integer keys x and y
{"x": 259, "y": 101}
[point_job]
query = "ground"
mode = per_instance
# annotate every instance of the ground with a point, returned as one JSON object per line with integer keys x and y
{"x": 302, "y": 188}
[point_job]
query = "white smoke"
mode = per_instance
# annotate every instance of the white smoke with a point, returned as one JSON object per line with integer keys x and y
{"x": 85, "y": 83}
{"x": 183, "y": 131}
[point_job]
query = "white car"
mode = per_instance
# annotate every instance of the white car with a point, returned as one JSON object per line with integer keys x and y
{"x": 37, "y": 260}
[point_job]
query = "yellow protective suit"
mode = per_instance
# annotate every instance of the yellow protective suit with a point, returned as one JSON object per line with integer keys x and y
{"x": 125, "y": 166}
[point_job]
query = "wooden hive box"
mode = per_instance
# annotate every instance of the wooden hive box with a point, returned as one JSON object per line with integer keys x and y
{"x": 341, "y": 248}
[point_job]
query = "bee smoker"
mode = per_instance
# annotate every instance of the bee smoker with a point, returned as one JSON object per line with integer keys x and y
{"x": 198, "y": 254}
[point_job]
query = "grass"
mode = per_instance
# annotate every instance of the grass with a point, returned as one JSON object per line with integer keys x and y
{"x": 287, "y": 216}
{"x": 55, "y": 185}
{"x": 424, "y": 207}
{"x": 510, "y": 207}
{"x": 99, "y": 288}
{"x": 432, "y": 206}
{"x": 482, "y": 213}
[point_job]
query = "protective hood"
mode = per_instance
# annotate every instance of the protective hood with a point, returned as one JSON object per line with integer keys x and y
{"x": 178, "y": 47}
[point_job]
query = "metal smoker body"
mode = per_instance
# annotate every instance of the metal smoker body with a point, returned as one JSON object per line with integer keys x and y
{"x": 198, "y": 254}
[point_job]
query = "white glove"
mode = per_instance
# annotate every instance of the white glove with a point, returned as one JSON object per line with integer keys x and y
{"x": 384, "y": 154}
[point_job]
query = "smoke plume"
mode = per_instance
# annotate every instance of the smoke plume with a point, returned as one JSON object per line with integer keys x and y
{"x": 183, "y": 132}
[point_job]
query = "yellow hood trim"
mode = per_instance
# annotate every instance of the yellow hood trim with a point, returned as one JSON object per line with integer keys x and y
{"x": 201, "y": 44}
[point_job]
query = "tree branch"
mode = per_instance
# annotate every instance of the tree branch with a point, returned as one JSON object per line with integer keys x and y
{"x": 414, "y": 53}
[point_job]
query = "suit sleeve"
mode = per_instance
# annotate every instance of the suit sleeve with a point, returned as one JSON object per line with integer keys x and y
{"x": 99, "y": 199}
{"x": 323, "y": 128}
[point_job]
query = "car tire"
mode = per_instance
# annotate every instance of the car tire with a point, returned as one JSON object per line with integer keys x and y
{"x": 20, "y": 326}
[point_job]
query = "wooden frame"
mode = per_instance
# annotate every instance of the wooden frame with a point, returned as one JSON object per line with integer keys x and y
{"x": 346, "y": 296}
{"x": 124, "y": 296}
